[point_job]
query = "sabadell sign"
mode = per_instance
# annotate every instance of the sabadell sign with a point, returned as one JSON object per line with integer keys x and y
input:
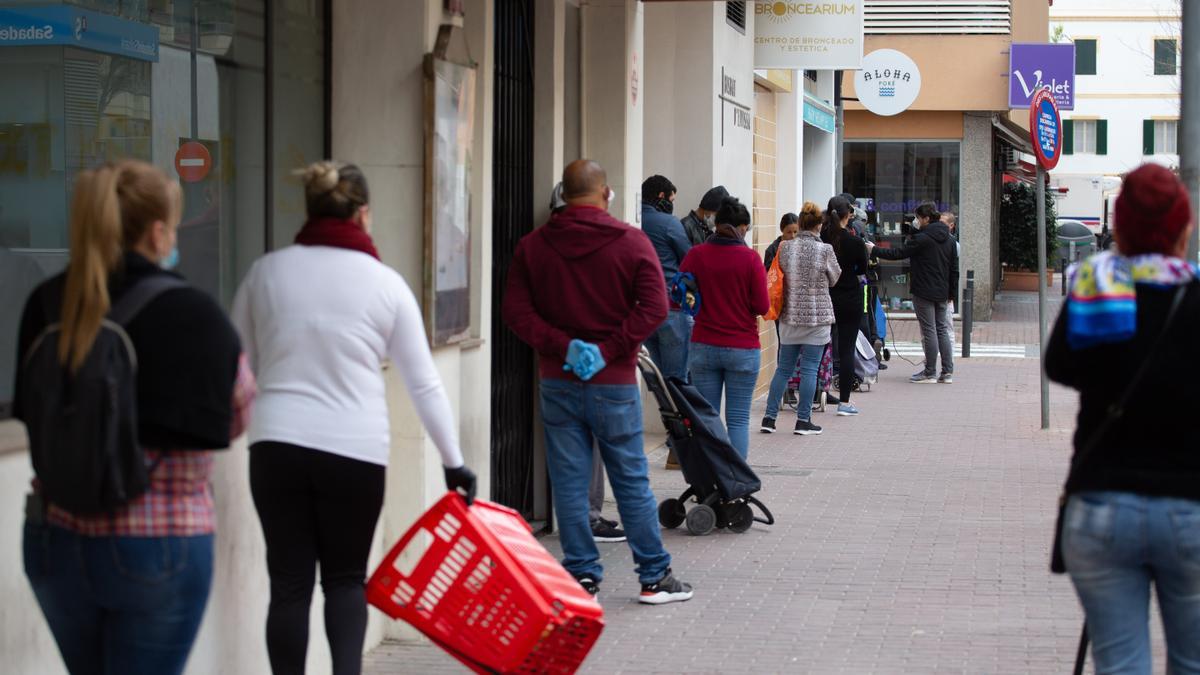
{"x": 888, "y": 82}
{"x": 808, "y": 35}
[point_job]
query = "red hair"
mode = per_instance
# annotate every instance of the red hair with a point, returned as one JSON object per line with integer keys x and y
{"x": 1152, "y": 211}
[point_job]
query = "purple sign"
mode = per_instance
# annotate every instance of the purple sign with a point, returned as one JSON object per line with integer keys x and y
{"x": 1033, "y": 66}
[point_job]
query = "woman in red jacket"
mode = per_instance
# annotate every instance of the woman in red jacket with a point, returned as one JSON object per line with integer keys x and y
{"x": 724, "y": 357}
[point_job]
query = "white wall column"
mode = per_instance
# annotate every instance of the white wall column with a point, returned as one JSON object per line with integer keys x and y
{"x": 789, "y": 177}
{"x": 613, "y": 96}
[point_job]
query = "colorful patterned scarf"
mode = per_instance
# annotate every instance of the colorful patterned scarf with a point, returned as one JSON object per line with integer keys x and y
{"x": 1103, "y": 301}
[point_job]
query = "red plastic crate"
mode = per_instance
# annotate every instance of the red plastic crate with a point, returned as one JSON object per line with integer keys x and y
{"x": 487, "y": 592}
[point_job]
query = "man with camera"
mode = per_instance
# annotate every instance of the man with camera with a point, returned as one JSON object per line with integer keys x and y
{"x": 934, "y": 256}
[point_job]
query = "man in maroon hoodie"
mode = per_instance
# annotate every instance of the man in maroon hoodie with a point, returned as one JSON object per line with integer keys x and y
{"x": 584, "y": 291}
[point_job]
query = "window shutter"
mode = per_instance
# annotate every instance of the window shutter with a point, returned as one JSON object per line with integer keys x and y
{"x": 1147, "y": 137}
{"x": 1068, "y": 137}
{"x": 1101, "y": 137}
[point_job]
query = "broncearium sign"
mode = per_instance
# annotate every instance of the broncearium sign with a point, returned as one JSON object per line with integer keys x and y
{"x": 808, "y": 35}
{"x": 1045, "y": 129}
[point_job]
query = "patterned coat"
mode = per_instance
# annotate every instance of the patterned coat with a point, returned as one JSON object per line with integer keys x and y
{"x": 809, "y": 269}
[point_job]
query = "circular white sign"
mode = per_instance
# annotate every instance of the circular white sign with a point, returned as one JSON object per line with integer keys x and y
{"x": 888, "y": 82}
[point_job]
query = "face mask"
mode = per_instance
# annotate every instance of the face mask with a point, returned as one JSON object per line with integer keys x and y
{"x": 612, "y": 194}
{"x": 711, "y": 221}
{"x": 172, "y": 259}
{"x": 666, "y": 206}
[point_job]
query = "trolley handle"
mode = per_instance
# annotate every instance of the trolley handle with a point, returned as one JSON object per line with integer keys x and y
{"x": 647, "y": 363}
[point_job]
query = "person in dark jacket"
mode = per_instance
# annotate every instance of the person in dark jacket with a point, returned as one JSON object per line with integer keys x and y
{"x": 1132, "y": 517}
{"x": 847, "y": 294}
{"x": 934, "y": 254}
{"x": 584, "y": 291}
{"x": 669, "y": 344}
{"x": 701, "y": 223}
{"x": 789, "y": 227}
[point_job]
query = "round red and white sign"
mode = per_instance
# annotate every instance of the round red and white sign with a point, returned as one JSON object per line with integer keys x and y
{"x": 192, "y": 162}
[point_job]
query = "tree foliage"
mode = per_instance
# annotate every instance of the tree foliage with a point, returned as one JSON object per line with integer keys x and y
{"x": 1018, "y": 227}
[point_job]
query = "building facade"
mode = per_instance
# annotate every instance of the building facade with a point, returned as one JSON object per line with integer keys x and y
{"x": 947, "y": 146}
{"x": 1127, "y": 97}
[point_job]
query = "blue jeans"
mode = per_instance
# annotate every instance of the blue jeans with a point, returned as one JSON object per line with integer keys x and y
{"x": 574, "y": 414}
{"x": 734, "y": 372}
{"x": 668, "y": 345}
{"x": 120, "y": 604}
{"x": 1114, "y": 545}
{"x": 809, "y": 358}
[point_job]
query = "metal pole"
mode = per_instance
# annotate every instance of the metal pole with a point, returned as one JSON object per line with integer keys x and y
{"x": 968, "y": 313}
{"x": 1189, "y": 114}
{"x": 839, "y": 131}
{"x": 1041, "y": 223}
{"x": 195, "y": 44}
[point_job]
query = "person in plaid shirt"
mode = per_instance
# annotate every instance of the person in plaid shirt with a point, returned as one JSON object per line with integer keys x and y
{"x": 124, "y": 592}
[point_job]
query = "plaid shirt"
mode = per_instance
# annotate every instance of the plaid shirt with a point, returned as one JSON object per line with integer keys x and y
{"x": 179, "y": 501}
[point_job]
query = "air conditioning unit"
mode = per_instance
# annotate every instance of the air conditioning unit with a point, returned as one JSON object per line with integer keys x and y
{"x": 1010, "y": 159}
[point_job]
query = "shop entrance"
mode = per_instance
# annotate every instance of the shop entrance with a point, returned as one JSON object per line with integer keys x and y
{"x": 512, "y": 218}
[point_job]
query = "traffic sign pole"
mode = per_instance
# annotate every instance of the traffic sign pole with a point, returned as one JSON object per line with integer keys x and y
{"x": 1041, "y": 221}
{"x": 1045, "y": 130}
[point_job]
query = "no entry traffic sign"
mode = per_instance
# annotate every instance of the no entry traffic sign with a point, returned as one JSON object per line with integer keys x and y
{"x": 192, "y": 162}
{"x": 1045, "y": 129}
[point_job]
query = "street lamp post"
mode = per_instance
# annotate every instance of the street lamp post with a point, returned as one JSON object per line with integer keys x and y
{"x": 1189, "y": 114}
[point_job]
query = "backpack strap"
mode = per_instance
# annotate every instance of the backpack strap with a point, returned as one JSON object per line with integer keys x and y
{"x": 136, "y": 298}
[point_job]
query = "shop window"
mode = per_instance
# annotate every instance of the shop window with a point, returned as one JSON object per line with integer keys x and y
{"x": 69, "y": 108}
{"x": 889, "y": 180}
{"x": 1085, "y": 56}
{"x": 1160, "y": 137}
{"x": 735, "y": 15}
{"x": 1166, "y": 54}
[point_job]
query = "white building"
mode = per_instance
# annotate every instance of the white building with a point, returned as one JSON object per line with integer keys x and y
{"x": 1127, "y": 94}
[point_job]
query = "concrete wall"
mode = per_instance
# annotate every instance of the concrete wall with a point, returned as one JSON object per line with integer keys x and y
{"x": 977, "y": 234}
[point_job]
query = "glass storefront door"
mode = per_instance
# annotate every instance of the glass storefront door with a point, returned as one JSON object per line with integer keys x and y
{"x": 245, "y": 79}
{"x": 889, "y": 180}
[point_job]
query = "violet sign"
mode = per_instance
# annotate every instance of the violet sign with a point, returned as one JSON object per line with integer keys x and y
{"x": 1034, "y": 66}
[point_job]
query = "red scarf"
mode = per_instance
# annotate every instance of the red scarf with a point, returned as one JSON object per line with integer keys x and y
{"x": 337, "y": 233}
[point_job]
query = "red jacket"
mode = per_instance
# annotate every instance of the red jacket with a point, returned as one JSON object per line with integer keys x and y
{"x": 586, "y": 275}
{"x": 733, "y": 292}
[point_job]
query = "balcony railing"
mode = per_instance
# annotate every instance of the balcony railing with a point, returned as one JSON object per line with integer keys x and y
{"x": 938, "y": 17}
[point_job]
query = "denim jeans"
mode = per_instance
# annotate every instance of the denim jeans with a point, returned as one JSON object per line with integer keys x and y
{"x": 575, "y": 413}
{"x": 1114, "y": 545}
{"x": 937, "y": 334}
{"x": 809, "y": 359}
{"x": 668, "y": 346}
{"x": 120, "y": 605}
{"x": 733, "y": 372}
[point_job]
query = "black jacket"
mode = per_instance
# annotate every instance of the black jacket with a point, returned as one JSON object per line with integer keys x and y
{"x": 771, "y": 252}
{"x": 697, "y": 230}
{"x": 851, "y": 255}
{"x": 187, "y": 357}
{"x": 1146, "y": 451}
{"x": 934, "y": 262}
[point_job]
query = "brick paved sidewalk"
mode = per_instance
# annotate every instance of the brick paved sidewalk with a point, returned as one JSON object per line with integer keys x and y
{"x": 912, "y": 539}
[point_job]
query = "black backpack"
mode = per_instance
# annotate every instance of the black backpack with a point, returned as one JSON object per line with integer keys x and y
{"x": 82, "y": 427}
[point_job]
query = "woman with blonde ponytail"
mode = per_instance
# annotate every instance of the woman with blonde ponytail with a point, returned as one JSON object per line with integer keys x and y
{"x": 123, "y": 578}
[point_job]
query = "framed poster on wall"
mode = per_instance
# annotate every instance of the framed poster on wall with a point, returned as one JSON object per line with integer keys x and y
{"x": 449, "y": 129}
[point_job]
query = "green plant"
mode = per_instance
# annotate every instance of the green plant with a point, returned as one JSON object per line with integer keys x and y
{"x": 1018, "y": 227}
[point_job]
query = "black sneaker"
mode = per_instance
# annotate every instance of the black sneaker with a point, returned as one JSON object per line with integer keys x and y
{"x": 806, "y": 428}
{"x": 768, "y": 425}
{"x": 603, "y": 532}
{"x": 667, "y": 589}
{"x": 589, "y": 583}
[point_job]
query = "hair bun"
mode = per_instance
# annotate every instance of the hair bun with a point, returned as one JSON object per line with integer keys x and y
{"x": 321, "y": 177}
{"x": 811, "y": 209}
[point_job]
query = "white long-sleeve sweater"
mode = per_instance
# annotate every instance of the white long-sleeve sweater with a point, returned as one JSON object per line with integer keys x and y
{"x": 317, "y": 323}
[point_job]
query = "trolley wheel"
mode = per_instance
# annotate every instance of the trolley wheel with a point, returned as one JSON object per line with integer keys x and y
{"x": 671, "y": 513}
{"x": 887, "y": 354}
{"x": 741, "y": 517}
{"x": 701, "y": 520}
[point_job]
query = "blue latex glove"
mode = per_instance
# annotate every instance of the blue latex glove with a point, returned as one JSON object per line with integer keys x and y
{"x": 591, "y": 363}
{"x": 584, "y": 359}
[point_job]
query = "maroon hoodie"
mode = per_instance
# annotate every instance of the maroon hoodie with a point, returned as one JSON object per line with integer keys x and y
{"x": 586, "y": 275}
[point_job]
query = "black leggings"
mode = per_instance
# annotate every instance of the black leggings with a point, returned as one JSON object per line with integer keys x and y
{"x": 847, "y": 313}
{"x": 315, "y": 507}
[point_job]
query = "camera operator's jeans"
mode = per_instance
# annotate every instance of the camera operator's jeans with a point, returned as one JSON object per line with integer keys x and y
{"x": 937, "y": 334}
{"x": 1115, "y": 544}
{"x": 668, "y": 346}
{"x": 574, "y": 414}
{"x": 808, "y": 357}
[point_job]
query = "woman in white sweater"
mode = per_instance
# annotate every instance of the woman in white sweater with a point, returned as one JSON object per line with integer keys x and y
{"x": 317, "y": 320}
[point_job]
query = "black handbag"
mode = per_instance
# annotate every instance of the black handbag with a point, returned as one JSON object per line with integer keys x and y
{"x": 1115, "y": 412}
